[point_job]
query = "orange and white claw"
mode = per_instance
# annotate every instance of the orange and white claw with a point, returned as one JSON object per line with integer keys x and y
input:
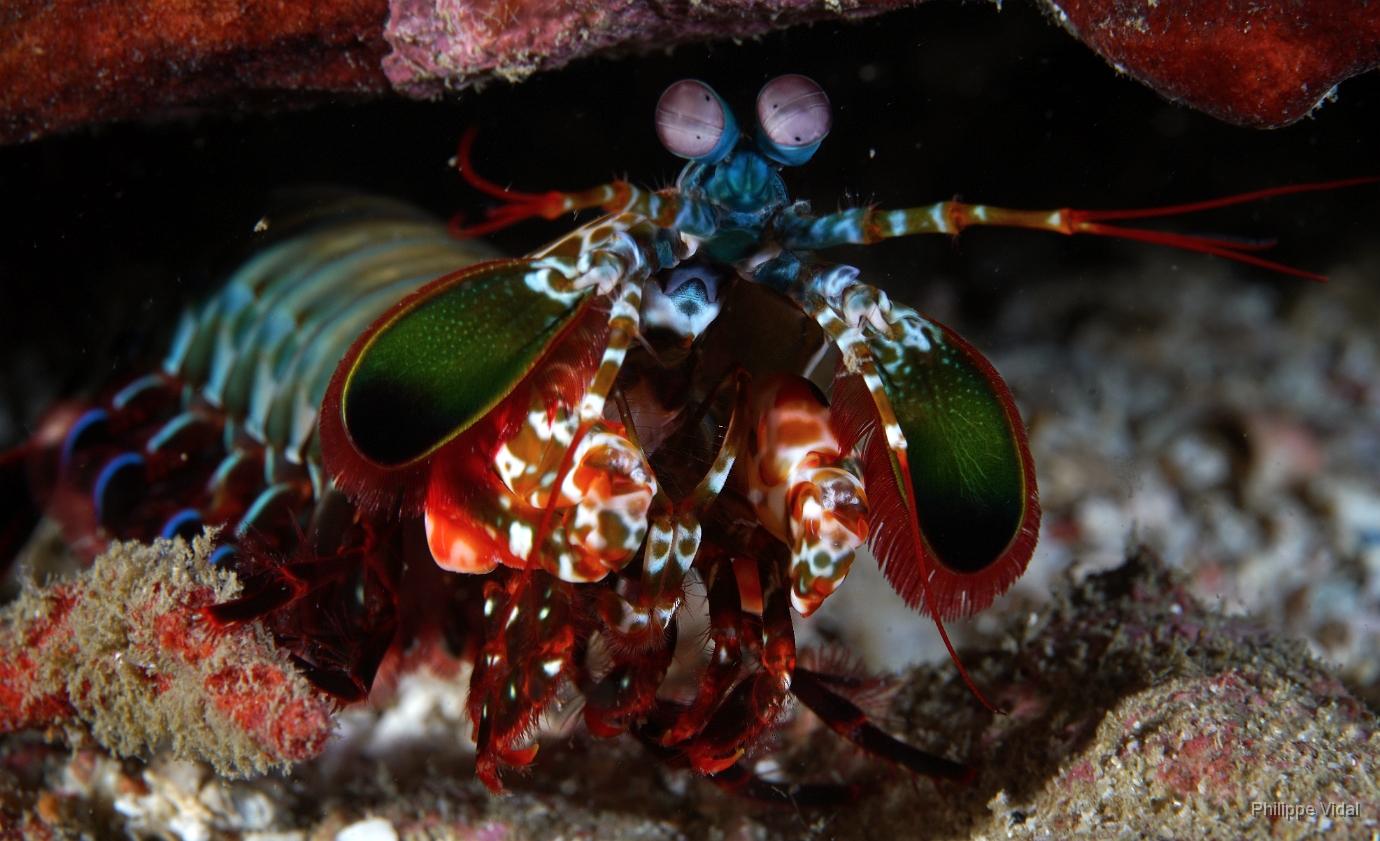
{"x": 803, "y": 488}
{"x": 611, "y": 487}
{"x": 712, "y": 759}
{"x": 792, "y": 426}
{"x": 828, "y": 524}
{"x": 489, "y": 765}
{"x": 529, "y": 462}
{"x": 471, "y": 532}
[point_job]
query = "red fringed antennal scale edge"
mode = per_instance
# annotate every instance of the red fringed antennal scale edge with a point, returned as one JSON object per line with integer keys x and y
{"x": 907, "y": 563}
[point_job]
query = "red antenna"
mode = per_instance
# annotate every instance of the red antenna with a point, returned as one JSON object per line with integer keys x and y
{"x": 1088, "y": 222}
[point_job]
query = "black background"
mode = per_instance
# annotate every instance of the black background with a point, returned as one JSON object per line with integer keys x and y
{"x": 109, "y": 232}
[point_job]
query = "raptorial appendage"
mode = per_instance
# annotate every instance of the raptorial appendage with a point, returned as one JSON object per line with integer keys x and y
{"x": 806, "y": 488}
{"x": 943, "y": 446}
{"x": 601, "y": 505}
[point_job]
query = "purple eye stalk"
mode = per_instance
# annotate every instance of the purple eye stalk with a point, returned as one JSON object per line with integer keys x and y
{"x": 793, "y": 117}
{"x": 694, "y": 122}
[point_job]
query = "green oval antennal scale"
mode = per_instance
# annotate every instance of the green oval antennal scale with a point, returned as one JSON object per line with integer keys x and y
{"x": 969, "y": 471}
{"x": 449, "y": 354}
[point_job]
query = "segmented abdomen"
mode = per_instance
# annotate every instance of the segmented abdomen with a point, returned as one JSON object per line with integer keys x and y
{"x": 237, "y": 399}
{"x": 225, "y": 435}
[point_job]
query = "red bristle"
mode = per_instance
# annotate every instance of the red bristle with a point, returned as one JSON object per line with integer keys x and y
{"x": 376, "y": 488}
{"x": 841, "y": 669}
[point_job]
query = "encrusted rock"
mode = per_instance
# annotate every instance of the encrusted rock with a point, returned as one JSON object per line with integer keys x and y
{"x": 122, "y": 652}
{"x": 73, "y": 62}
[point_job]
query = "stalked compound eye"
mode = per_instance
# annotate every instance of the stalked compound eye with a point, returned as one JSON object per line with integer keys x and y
{"x": 694, "y": 122}
{"x": 793, "y": 116}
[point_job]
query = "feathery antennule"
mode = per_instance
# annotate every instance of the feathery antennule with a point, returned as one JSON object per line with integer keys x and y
{"x": 517, "y": 205}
